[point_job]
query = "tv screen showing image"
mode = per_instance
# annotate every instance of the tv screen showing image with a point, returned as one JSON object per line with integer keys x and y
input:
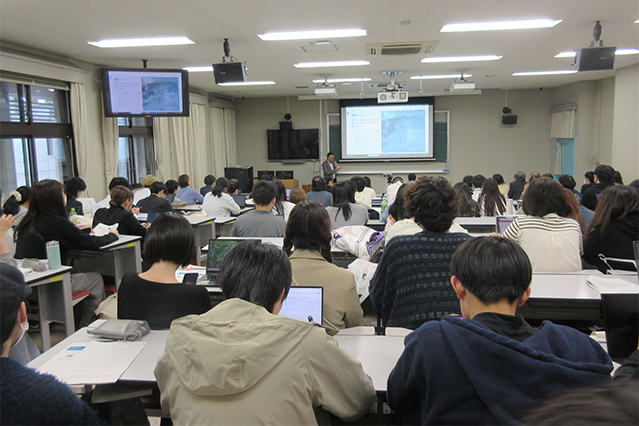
{"x": 297, "y": 144}
{"x": 145, "y": 92}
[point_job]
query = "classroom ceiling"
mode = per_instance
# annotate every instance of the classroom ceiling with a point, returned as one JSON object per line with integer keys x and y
{"x": 64, "y": 27}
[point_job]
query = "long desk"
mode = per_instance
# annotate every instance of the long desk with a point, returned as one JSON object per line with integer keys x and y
{"x": 204, "y": 227}
{"x": 115, "y": 259}
{"x": 55, "y": 300}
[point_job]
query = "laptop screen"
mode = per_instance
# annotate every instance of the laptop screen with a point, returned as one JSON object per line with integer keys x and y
{"x": 288, "y": 192}
{"x": 304, "y": 303}
{"x": 503, "y": 222}
{"x": 217, "y": 250}
{"x": 621, "y": 319}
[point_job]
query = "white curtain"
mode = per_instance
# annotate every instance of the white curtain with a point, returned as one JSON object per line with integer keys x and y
{"x": 79, "y": 120}
{"x": 110, "y": 135}
{"x": 222, "y": 122}
{"x": 186, "y": 139}
{"x": 562, "y": 125}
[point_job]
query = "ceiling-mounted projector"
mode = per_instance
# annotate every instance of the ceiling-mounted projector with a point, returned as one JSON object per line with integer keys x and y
{"x": 325, "y": 90}
{"x": 230, "y": 70}
{"x": 392, "y": 96}
{"x": 460, "y": 84}
{"x": 597, "y": 56}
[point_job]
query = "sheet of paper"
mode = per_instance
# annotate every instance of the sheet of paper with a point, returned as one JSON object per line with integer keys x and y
{"x": 96, "y": 362}
{"x": 606, "y": 284}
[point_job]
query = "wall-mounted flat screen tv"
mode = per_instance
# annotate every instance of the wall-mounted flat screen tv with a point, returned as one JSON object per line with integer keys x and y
{"x": 145, "y": 92}
{"x": 293, "y": 145}
{"x": 395, "y": 132}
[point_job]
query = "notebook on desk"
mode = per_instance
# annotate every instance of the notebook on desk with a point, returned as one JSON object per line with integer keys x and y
{"x": 217, "y": 250}
{"x": 304, "y": 303}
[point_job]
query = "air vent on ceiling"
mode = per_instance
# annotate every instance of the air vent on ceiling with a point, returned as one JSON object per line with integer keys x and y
{"x": 406, "y": 48}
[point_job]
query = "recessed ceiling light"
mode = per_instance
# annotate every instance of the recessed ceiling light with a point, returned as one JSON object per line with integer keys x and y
{"x": 435, "y": 77}
{"x": 199, "y": 69}
{"x": 315, "y": 34}
{"x": 570, "y": 54}
{"x": 331, "y": 64}
{"x": 502, "y": 25}
{"x": 618, "y": 52}
{"x": 247, "y": 83}
{"x": 637, "y": 21}
{"x": 521, "y": 74}
{"x": 342, "y": 80}
{"x": 138, "y": 42}
{"x": 462, "y": 58}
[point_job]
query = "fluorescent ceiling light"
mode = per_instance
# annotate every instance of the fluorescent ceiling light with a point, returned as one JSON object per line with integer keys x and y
{"x": 435, "y": 77}
{"x": 462, "y": 58}
{"x": 331, "y": 64}
{"x": 521, "y": 74}
{"x": 618, "y": 52}
{"x": 315, "y": 34}
{"x": 247, "y": 83}
{"x": 502, "y": 25}
{"x": 138, "y": 42}
{"x": 637, "y": 21}
{"x": 199, "y": 69}
{"x": 342, "y": 80}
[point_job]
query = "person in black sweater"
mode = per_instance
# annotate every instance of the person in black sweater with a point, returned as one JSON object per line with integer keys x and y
{"x": 613, "y": 228}
{"x": 589, "y": 181}
{"x": 156, "y": 202}
{"x": 46, "y": 221}
{"x": 209, "y": 182}
{"x": 603, "y": 177}
{"x": 120, "y": 212}
{"x": 28, "y": 397}
{"x": 74, "y": 189}
{"x": 517, "y": 186}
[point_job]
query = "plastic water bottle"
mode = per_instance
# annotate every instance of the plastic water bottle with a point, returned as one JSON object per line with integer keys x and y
{"x": 384, "y": 203}
{"x": 73, "y": 216}
{"x": 53, "y": 254}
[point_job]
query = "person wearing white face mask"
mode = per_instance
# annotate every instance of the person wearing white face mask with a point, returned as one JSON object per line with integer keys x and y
{"x": 23, "y": 388}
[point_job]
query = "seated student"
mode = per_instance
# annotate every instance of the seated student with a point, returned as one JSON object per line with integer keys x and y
{"x": 548, "y": 175}
{"x": 369, "y": 188}
{"x": 467, "y": 206}
{"x": 503, "y": 186}
{"x": 17, "y": 204}
{"x": 297, "y": 195}
{"x": 186, "y": 193}
{"x": 468, "y": 180}
{"x": 392, "y": 188}
{"x": 116, "y": 181}
{"x": 47, "y": 220}
{"x": 603, "y": 178}
{"x": 478, "y": 181}
{"x": 613, "y": 228}
{"x": 589, "y": 182}
{"x": 242, "y": 363}
{"x": 616, "y": 178}
{"x": 143, "y": 193}
{"x": 120, "y": 213}
{"x": 26, "y": 396}
{"x": 569, "y": 183}
{"x": 209, "y": 181}
{"x": 218, "y": 202}
{"x": 75, "y": 187}
{"x": 155, "y": 295}
{"x": 171, "y": 191}
{"x": 362, "y": 196}
{"x": 491, "y": 202}
{"x": 156, "y": 202}
{"x": 517, "y": 186}
{"x": 282, "y": 207}
{"x": 234, "y": 192}
{"x": 552, "y": 240}
{"x": 410, "y": 285}
{"x": 534, "y": 176}
{"x": 490, "y": 366}
{"x": 412, "y": 177}
{"x": 308, "y": 232}
{"x": 344, "y": 211}
{"x": 260, "y": 222}
{"x": 319, "y": 194}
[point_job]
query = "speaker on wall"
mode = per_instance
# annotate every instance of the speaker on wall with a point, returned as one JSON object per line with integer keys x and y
{"x": 508, "y": 119}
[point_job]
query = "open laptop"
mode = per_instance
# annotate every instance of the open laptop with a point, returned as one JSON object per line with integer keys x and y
{"x": 304, "y": 303}
{"x": 503, "y": 222}
{"x": 217, "y": 250}
{"x": 288, "y": 192}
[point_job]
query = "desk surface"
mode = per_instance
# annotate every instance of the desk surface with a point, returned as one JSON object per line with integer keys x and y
{"x": 122, "y": 240}
{"x": 476, "y": 221}
{"x": 199, "y": 220}
{"x": 567, "y": 286}
{"x": 34, "y": 276}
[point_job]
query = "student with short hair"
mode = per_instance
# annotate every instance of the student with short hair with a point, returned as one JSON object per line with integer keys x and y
{"x": 242, "y": 363}
{"x": 468, "y": 180}
{"x": 589, "y": 181}
{"x": 297, "y": 195}
{"x": 569, "y": 183}
{"x": 517, "y": 186}
{"x": 603, "y": 179}
{"x": 218, "y": 202}
{"x": 490, "y": 366}
{"x": 307, "y": 242}
{"x": 552, "y": 240}
{"x": 145, "y": 191}
{"x": 118, "y": 180}
{"x": 171, "y": 191}
{"x": 186, "y": 193}
{"x": 344, "y": 211}
{"x": 319, "y": 193}
{"x": 74, "y": 189}
{"x": 412, "y": 177}
{"x": 156, "y": 202}
{"x": 234, "y": 192}
{"x": 209, "y": 181}
{"x": 478, "y": 181}
{"x": 260, "y": 222}
{"x": 411, "y": 283}
{"x": 119, "y": 212}
{"x": 534, "y": 176}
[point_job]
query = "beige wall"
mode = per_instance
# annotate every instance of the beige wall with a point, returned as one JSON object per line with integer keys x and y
{"x": 625, "y": 136}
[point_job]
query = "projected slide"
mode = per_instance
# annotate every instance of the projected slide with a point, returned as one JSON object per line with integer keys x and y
{"x": 161, "y": 94}
{"x": 387, "y": 132}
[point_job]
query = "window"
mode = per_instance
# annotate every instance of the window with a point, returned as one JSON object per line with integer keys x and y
{"x": 36, "y": 136}
{"x": 136, "y": 157}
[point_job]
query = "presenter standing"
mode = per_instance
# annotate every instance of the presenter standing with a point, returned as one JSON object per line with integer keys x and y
{"x": 330, "y": 167}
